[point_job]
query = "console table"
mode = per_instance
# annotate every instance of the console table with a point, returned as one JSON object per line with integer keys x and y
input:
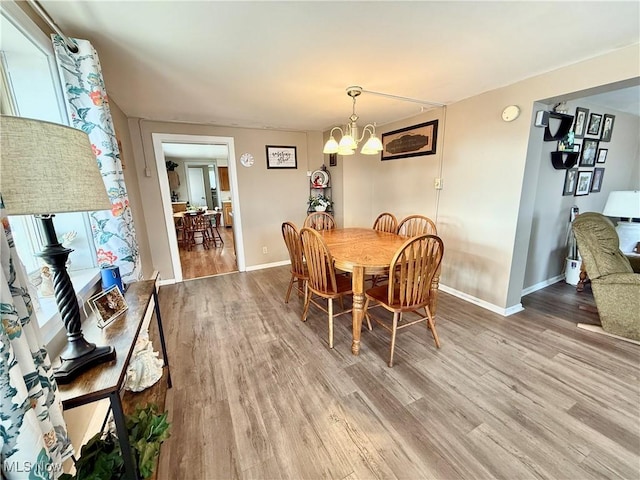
{"x": 107, "y": 380}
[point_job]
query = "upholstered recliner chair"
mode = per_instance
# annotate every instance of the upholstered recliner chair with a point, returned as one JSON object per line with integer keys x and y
{"x": 616, "y": 288}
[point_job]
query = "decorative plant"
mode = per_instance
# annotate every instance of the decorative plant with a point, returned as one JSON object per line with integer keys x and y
{"x": 101, "y": 457}
{"x": 319, "y": 201}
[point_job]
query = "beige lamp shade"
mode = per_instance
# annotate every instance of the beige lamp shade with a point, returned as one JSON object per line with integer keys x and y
{"x": 48, "y": 168}
{"x": 623, "y": 204}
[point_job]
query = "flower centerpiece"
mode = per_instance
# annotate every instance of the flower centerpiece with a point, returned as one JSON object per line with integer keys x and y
{"x": 319, "y": 203}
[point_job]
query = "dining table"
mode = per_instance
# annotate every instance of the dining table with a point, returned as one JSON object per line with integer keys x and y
{"x": 361, "y": 251}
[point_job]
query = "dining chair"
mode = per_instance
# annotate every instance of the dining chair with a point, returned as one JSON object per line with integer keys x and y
{"x": 415, "y": 264}
{"x": 215, "y": 223}
{"x": 299, "y": 272}
{"x": 320, "y": 221}
{"x": 414, "y": 225}
{"x": 323, "y": 281}
{"x": 386, "y": 222}
{"x": 197, "y": 223}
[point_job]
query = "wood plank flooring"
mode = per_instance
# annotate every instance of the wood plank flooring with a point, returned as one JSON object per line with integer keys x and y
{"x": 200, "y": 262}
{"x": 259, "y": 395}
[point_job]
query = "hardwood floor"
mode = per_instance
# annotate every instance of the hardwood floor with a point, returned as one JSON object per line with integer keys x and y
{"x": 201, "y": 262}
{"x": 258, "y": 394}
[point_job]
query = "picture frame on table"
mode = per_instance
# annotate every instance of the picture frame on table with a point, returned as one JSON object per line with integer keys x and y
{"x": 607, "y": 127}
{"x": 570, "y": 181}
{"x": 108, "y": 305}
{"x": 583, "y": 184}
{"x": 595, "y": 121}
{"x": 602, "y": 155}
{"x": 580, "y": 123}
{"x": 411, "y": 141}
{"x": 279, "y": 156}
{"x": 596, "y": 183}
{"x": 589, "y": 151}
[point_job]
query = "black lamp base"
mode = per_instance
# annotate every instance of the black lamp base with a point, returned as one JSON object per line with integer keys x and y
{"x": 70, "y": 369}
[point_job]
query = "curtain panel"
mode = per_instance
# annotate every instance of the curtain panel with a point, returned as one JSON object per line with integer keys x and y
{"x": 33, "y": 433}
{"x": 88, "y": 108}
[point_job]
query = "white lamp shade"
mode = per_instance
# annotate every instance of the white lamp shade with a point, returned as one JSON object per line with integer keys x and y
{"x": 345, "y": 151}
{"x": 331, "y": 146}
{"x": 347, "y": 142}
{"x": 623, "y": 204}
{"x": 372, "y": 147}
{"x": 48, "y": 168}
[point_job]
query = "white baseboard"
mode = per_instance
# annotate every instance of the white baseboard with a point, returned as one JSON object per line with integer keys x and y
{"x": 268, "y": 265}
{"x": 541, "y": 285}
{"x": 505, "y": 312}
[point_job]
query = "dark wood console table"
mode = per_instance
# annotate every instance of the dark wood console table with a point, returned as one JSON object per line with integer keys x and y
{"x": 107, "y": 380}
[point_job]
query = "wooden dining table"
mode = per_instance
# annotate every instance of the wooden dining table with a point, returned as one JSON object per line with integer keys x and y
{"x": 361, "y": 251}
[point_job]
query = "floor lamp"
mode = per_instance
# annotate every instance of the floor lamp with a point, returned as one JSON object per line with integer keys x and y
{"x": 625, "y": 205}
{"x": 47, "y": 168}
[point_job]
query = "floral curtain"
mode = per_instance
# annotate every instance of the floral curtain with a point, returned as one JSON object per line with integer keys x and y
{"x": 88, "y": 107}
{"x": 33, "y": 433}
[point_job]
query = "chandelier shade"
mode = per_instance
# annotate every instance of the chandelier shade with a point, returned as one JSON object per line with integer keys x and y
{"x": 349, "y": 140}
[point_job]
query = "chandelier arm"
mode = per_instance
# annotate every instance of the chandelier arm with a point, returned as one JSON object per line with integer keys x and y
{"x": 370, "y": 127}
{"x": 336, "y": 128}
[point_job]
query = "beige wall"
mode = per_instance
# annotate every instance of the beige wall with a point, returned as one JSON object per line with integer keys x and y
{"x": 480, "y": 215}
{"x": 267, "y": 197}
{"x": 547, "y": 243}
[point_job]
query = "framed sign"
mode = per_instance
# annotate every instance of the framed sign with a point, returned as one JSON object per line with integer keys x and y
{"x": 410, "y": 141}
{"x": 107, "y": 305}
{"x": 281, "y": 157}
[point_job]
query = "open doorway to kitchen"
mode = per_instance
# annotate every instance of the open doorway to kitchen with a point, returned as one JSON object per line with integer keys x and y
{"x": 199, "y": 186}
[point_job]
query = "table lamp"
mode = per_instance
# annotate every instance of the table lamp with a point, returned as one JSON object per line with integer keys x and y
{"x": 47, "y": 168}
{"x": 625, "y": 205}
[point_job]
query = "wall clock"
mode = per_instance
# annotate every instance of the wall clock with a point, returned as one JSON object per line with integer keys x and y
{"x": 510, "y": 113}
{"x": 246, "y": 159}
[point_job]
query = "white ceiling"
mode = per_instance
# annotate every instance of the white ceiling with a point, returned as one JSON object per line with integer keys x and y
{"x": 286, "y": 65}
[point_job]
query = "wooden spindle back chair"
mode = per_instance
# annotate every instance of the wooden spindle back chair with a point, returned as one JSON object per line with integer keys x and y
{"x": 320, "y": 221}
{"x": 386, "y": 222}
{"x": 299, "y": 272}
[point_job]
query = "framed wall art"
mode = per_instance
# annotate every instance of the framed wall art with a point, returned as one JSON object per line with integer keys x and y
{"x": 602, "y": 155}
{"x": 607, "y": 127}
{"x": 596, "y": 183}
{"x": 410, "y": 141}
{"x": 583, "y": 184}
{"x": 108, "y": 305}
{"x": 570, "y": 181}
{"x": 595, "y": 119}
{"x": 281, "y": 157}
{"x": 589, "y": 150}
{"x": 580, "y": 124}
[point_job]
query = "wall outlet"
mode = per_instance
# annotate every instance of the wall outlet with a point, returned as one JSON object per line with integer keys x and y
{"x": 308, "y": 173}
{"x": 437, "y": 183}
{"x": 265, "y": 250}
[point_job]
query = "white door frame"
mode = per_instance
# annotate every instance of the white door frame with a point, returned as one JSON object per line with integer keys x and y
{"x": 165, "y": 193}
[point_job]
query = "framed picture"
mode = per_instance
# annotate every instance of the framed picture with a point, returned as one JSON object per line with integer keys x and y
{"x": 595, "y": 119}
{"x": 570, "y": 181}
{"x": 589, "y": 150}
{"x": 410, "y": 141}
{"x": 333, "y": 159}
{"x": 602, "y": 155}
{"x": 596, "y": 184}
{"x": 576, "y": 148}
{"x": 580, "y": 123}
{"x": 107, "y": 305}
{"x": 607, "y": 127}
{"x": 583, "y": 184}
{"x": 281, "y": 157}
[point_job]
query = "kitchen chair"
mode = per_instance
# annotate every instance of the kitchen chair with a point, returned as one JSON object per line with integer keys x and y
{"x": 386, "y": 222}
{"x": 323, "y": 280}
{"x": 298, "y": 268}
{"x": 320, "y": 221}
{"x": 415, "y": 225}
{"x": 197, "y": 223}
{"x": 215, "y": 223}
{"x": 415, "y": 263}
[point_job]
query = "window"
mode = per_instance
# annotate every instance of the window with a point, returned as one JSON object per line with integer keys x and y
{"x": 31, "y": 88}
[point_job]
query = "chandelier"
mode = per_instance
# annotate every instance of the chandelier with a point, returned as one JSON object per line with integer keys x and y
{"x": 349, "y": 137}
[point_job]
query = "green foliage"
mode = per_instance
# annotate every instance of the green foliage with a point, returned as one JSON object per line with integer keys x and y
{"x": 101, "y": 457}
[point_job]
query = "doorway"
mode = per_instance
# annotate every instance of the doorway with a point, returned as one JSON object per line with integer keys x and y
{"x": 199, "y": 261}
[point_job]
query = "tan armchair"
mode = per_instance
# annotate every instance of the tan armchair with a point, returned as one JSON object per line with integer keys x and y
{"x": 616, "y": 288}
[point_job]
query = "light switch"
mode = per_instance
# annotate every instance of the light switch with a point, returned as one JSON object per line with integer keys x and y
{"x": 437, "y": 183}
